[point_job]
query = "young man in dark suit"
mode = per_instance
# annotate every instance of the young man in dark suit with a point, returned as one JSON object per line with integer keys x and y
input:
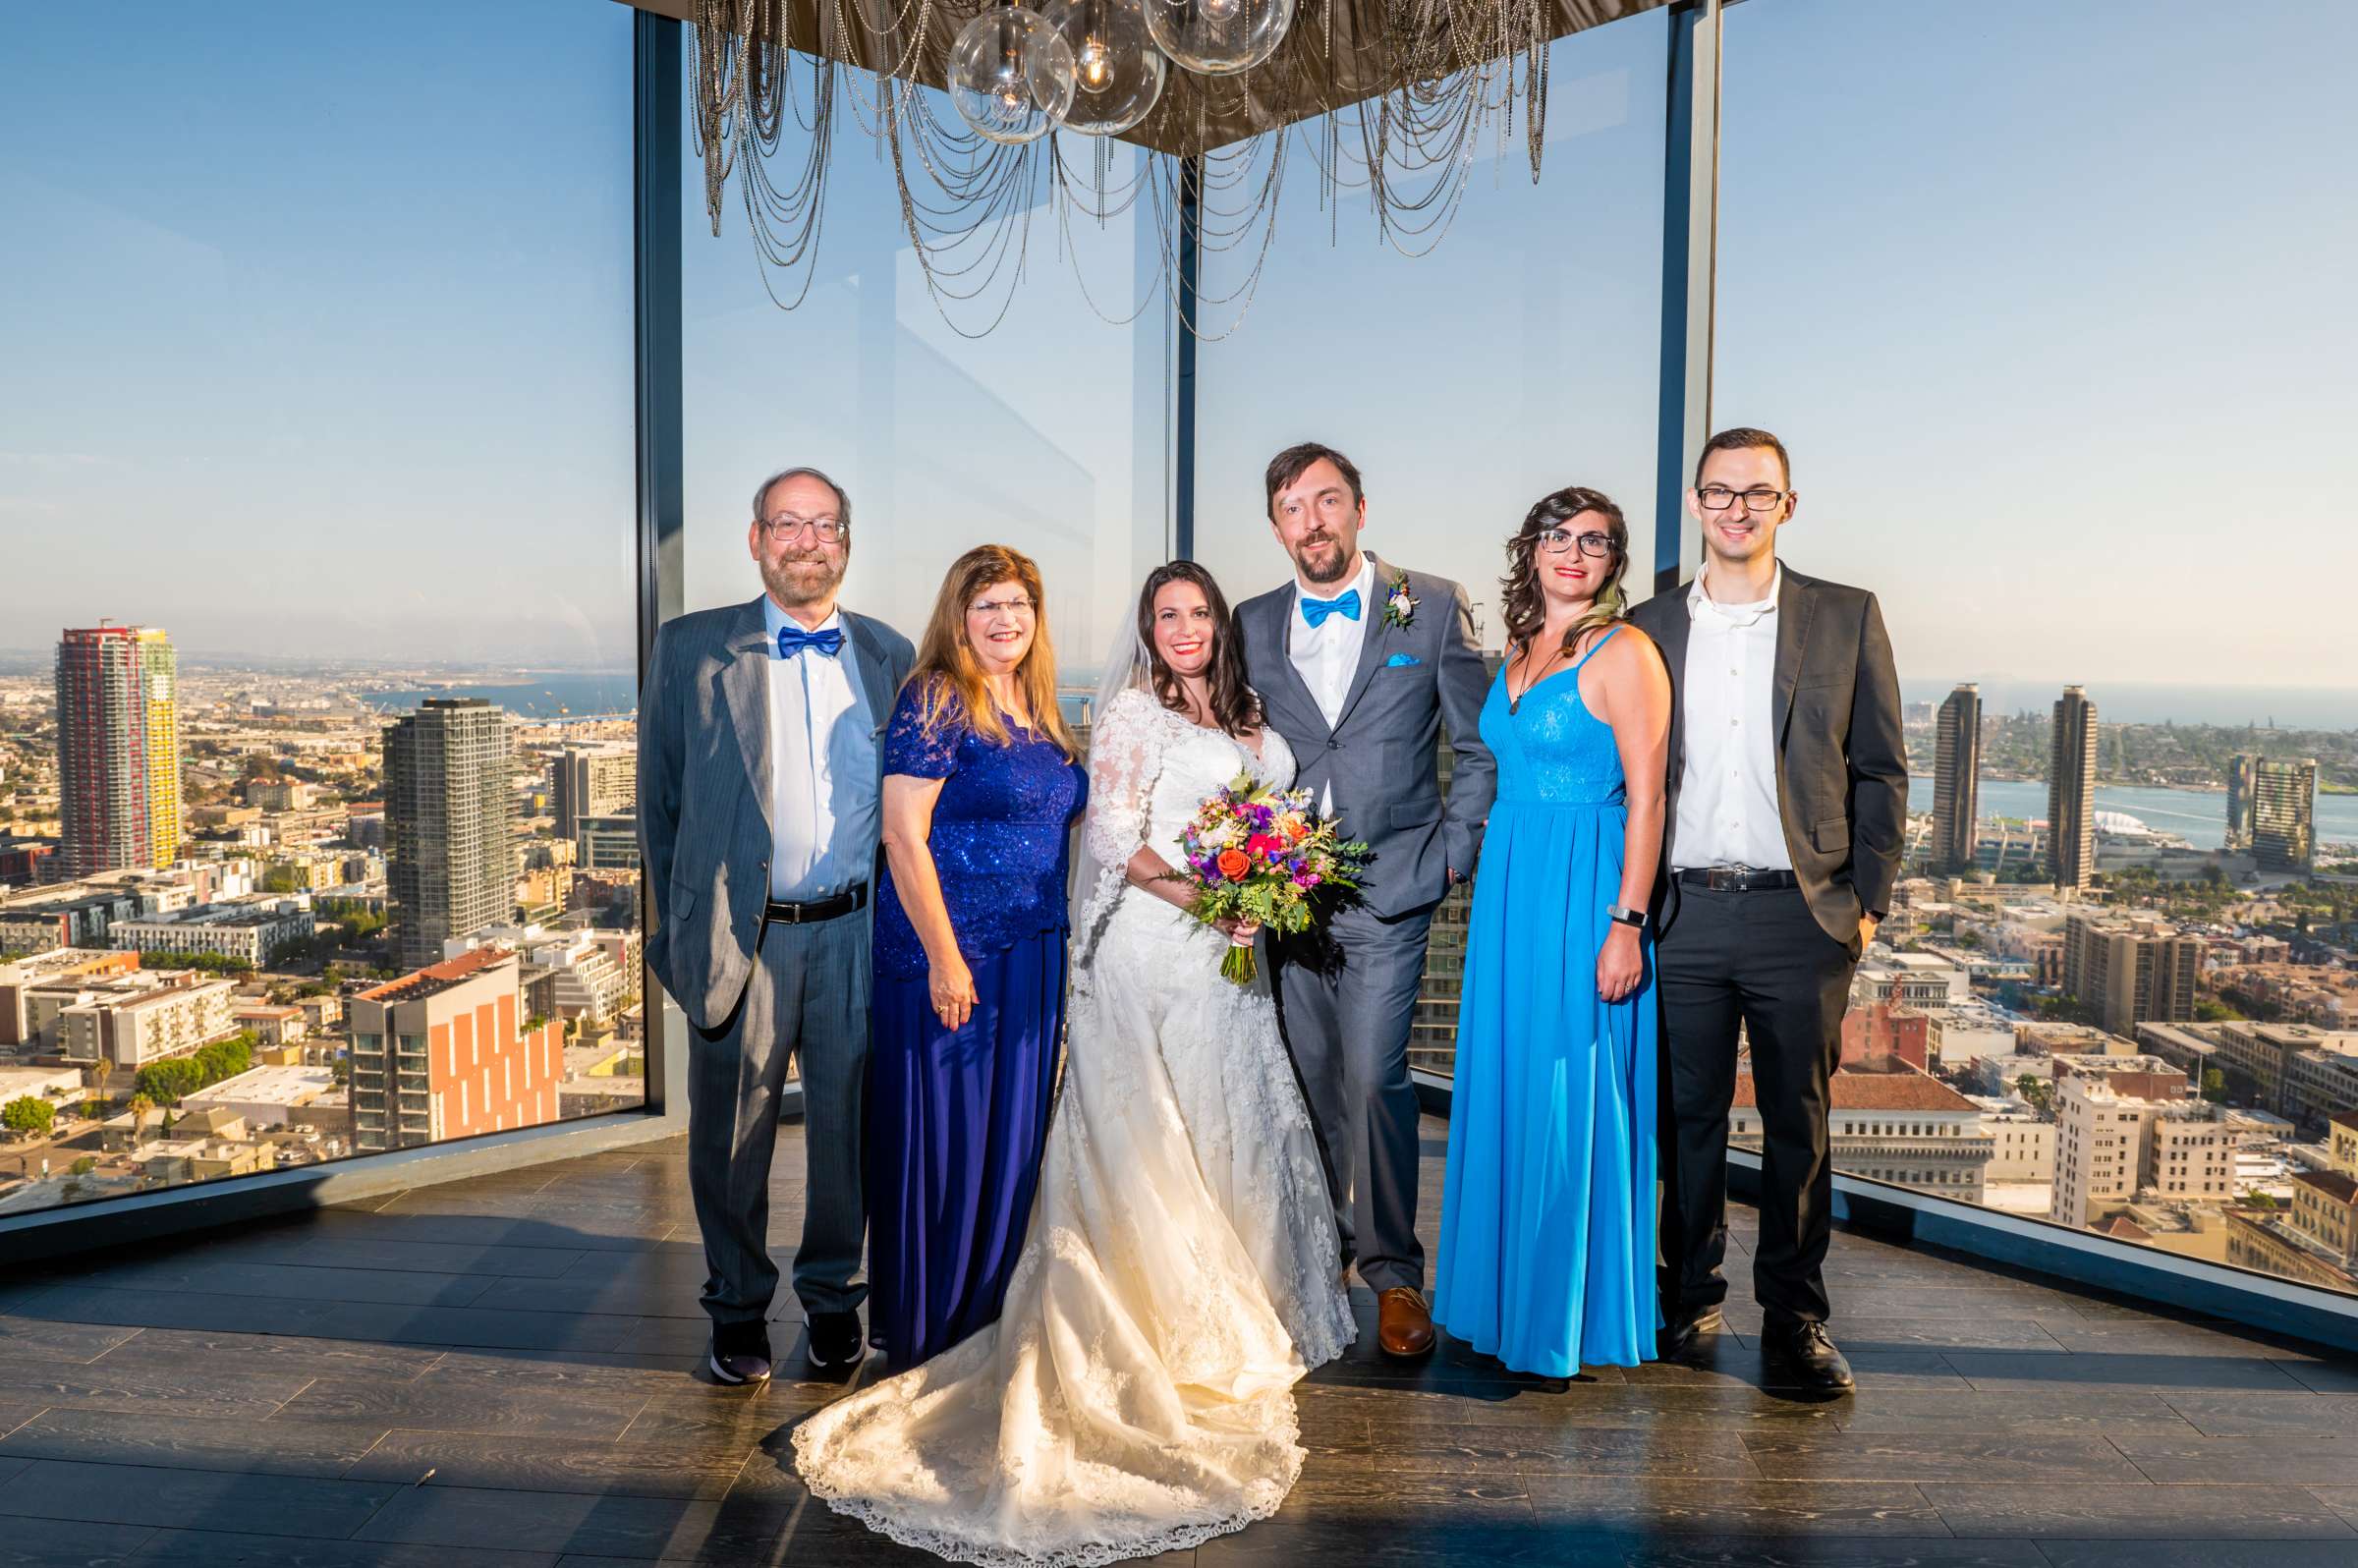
{"x": 1788, "y": 796}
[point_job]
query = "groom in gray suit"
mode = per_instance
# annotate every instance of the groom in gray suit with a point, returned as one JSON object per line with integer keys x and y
{"x": 759, "y": 776}
{"x": 1359, "y": 664}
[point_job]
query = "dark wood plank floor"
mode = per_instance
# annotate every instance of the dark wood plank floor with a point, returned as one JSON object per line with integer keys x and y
{"x": 503, "y": 1372}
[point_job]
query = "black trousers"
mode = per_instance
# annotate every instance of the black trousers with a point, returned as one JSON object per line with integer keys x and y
{"x": 1762, "y": 962}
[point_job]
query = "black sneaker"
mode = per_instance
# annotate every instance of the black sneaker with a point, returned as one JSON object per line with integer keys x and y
{"x": 739, "y": 1352}
{"x": 1802, "y": 1356}
{"x": 834, "y": 1341}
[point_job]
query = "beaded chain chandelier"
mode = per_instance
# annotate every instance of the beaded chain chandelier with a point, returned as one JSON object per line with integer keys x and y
{"x": 1392, "y": 100}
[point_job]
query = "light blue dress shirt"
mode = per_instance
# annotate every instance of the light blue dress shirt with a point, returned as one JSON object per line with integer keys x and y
{"x": 824, "y": 784}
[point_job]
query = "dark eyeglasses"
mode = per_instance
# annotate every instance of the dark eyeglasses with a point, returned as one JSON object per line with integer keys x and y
{"x": 1555, "y": 541}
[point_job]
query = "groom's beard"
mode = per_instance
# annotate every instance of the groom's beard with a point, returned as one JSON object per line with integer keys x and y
{"x": 1322, "y": 560}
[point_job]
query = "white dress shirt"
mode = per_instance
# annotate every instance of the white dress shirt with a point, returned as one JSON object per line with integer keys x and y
{"x": 1327, "y": 655}
{"x": 822, "y": 787}
{"x": 1727, "y": 807}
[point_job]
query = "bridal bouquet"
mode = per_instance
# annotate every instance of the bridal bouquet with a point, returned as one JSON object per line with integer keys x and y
{"x": 1259, "y": 854}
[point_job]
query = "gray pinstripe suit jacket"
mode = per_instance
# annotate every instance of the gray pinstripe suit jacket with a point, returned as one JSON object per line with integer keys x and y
{"x": 703, "y": 790}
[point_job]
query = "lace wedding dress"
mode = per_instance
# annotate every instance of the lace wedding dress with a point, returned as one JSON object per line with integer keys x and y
{"x": 1181, "y": 1268}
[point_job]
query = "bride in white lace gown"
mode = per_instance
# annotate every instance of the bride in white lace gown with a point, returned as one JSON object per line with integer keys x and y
{"x": 1181, "y": 1272}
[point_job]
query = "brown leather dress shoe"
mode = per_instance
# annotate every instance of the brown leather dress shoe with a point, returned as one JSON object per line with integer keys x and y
{"x": 1403, "y": 1323}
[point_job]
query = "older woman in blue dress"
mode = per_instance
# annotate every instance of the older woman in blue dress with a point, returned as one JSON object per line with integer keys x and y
{"x": 981, "y": 788}
{"x": 1547, "y": 1217}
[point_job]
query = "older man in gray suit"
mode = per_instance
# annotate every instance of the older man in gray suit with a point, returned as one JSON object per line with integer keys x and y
{"x": 759, "y": 775}
{"x": 1359, "y": 664}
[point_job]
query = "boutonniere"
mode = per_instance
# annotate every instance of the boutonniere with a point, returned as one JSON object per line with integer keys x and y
{"x": 1400, "y": 605}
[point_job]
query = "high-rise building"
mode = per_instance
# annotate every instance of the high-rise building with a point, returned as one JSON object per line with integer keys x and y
{"x": 2284, "y": 814}
{"x": 439, "y": 1054}
{"x": 2071, "y": 789}
{"x": 592, "y": 781}
{"x": 159, "y": 671}
{"x": 118, "y": 748}
{"x": 2131, "y": 971}
{"x": 1956, "y": 773}
{"x": 2239, "y": 801}
{"x": 450, "y": 861}
{"x": 2112, "y": 1146}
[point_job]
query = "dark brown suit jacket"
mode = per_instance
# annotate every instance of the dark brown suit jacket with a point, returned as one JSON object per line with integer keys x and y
{"x": 1842, "y": 762}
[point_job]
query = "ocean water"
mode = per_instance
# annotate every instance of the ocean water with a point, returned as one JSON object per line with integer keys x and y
{"x": 2288, "y": 707}
{"x": 551, "y": 695}
{"x": 2199, "y": 817}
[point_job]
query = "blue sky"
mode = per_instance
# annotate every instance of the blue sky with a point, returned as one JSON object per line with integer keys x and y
{"x": 318, "y": 339}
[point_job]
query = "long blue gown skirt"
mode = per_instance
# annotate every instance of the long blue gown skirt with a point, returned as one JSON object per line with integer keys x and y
{"x": 957, "y": 1124}
{"x": 1547, "y": 1209}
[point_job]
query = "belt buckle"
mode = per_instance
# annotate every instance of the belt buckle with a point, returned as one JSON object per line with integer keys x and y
{"x": 1729, "y": 879}
{"x": 794, "y": 914}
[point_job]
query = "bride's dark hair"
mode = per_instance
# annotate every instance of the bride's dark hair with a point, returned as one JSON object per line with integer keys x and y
{"x": 1233, "y": 706}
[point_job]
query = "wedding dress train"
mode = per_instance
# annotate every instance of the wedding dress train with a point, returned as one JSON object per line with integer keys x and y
{"x": 1181, "y": 1269}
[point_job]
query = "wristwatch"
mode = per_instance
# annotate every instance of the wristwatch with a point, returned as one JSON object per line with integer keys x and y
{"x": 1634, "y": 918}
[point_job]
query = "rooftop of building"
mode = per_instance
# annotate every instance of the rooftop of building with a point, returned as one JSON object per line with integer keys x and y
{"x": 140, "y": 987}
{"x": 63, "y": 962}
{"x": 267, "y": 1085}
{"x": 2332, "y": 1184}
{"x": 1904, "y": 1090}
{"x": 2105, "y": 1063}
{"x": 435, "y": 978}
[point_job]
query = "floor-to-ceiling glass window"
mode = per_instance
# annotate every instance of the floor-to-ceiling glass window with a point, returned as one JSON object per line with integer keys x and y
{"x": 1046, "y": 430}
{"x": 2047, "y": 304}
{"x": 1516, "y": 355}
{"x": 316, "y": 677}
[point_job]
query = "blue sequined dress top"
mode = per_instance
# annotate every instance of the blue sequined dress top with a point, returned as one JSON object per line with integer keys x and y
{"x": 1001, "y": 826}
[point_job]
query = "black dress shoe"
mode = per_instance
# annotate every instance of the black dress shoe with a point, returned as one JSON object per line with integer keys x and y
{"x": 834, "y": 1341}
{"x": 1801, "y": 1356}
{"x": 739, "y": 1352}
{"x": 1683, "y": 1335}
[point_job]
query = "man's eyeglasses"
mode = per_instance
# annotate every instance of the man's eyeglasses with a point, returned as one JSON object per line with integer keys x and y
{"x": 1719, "y": 498}
{"x": 786, "y": 528}
{"x": 1555, "y": 541}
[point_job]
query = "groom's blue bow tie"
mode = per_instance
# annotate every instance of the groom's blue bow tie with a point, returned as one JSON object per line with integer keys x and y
{"x": 1316, "y": 611}
{"x": 791, "y": 640}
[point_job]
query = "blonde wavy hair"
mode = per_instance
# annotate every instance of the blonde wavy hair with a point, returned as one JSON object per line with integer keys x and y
{"x": 948, "y": 676}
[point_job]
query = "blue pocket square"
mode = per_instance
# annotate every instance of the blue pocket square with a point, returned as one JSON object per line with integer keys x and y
{"x": 1398, "y": 661}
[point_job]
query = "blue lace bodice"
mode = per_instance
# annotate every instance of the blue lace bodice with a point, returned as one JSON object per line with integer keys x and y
{"x": 1000, "y": 828}
{"x": 1552, "y": 751}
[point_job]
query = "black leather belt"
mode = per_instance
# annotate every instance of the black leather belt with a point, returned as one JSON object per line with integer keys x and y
{"x": 1736, "y": 879}
{"x": 819, "y": 909}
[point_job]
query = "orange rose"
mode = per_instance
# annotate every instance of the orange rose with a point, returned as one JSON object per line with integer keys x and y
{"x": 1233, "y": 865}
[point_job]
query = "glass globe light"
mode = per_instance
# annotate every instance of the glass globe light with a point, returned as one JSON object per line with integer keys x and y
{"x": 1011, "y": 77}
{"x": 1219, "y": 37}
{"x": 1117, "y": 70}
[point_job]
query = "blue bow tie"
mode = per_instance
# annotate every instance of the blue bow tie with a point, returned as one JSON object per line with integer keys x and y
{"x": 1316, "y": 611}
{"x": 791, "y": 640}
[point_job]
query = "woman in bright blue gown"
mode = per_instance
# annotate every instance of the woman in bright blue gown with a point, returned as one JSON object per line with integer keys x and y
{"x": 1548, "y": 1211}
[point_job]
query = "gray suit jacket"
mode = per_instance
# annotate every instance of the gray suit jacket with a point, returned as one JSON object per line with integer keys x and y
{"x": 703, "y": 790}
{"x": 1842, "y": 762}
{"x": 1382, "y": 754}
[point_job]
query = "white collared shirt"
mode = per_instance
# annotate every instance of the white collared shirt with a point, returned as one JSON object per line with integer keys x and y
{"x": 822, "y": 787}
{"x": 1727, "y": 807}
{"x": 1327, "y": 655}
